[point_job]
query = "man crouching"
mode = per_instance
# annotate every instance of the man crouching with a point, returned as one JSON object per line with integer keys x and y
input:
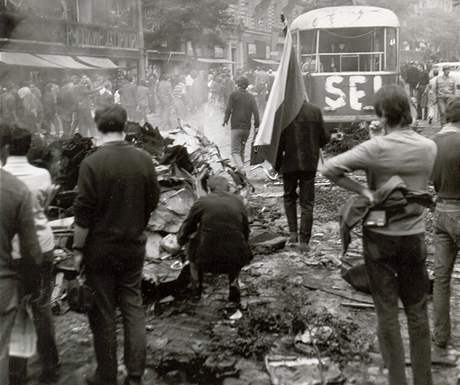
{"x": 217, "y": 232}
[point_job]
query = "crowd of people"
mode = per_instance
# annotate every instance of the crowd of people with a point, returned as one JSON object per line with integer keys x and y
{"x": 62, "y": 108}
{"x": 429, "y": 90}
{"x": 118, "y": 191}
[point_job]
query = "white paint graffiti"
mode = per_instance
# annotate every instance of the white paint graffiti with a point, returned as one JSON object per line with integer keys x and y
{"x": 340, "y": 101}
{"x": 335, "y": 87}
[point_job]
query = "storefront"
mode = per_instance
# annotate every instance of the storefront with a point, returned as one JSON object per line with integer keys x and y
{"x": 65, "y": 46}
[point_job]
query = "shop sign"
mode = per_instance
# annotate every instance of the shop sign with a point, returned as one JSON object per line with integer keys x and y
{"x": 83, "y": 35}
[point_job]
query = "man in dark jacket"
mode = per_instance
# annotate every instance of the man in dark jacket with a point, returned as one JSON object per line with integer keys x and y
{"x": 117, "y": 191}
{"x": 446, "y": 178}
{"x": 220, "y": 244}
{"x": 242, "y": 106}
{"x": 423, "y": 81}
{"x": 412, "y": 75}
{"x": 298, "y": 155}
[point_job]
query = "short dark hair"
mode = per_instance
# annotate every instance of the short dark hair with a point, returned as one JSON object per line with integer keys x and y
{"x": 20, "y": 141}
{"x": 242, "y": 82}
{"x": 111, "y": 119}
{"x": 453, "y": 110}
{"x": 392, "y": 103}
{"x": 218, "y": 184}
{"x": 5, "y": 135}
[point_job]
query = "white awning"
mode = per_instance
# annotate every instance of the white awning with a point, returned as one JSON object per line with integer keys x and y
{"x": 215, "y": 61}
{"x": 25, "y": 60}
{"x": 266, "y": 62}
{"x": 98, "y": 62}
{"x": 65, "y": 61}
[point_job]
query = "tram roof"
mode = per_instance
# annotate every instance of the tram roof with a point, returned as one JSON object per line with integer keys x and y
{"x": 345, "y": 17}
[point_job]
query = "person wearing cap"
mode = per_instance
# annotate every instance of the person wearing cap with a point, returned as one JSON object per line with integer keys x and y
{"x": 242, "y": 107}
{"x": 117, "y": 191}
{"x": 446, "y": 178}
{"x": 217, "y": 232}
{"x": 445, "y": 86}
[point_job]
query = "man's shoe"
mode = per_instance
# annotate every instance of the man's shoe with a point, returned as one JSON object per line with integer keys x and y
{"x": 303, "y": 247}
{"x": 439, "y": 345}
{"x": 293, "y": 239}
{"x": 234, "y": 295}
{"x": 195, "y": 295}
{"x": 133, "y": 380}
{"x": 49, "y": 377}
{"x": 95, "y": 380}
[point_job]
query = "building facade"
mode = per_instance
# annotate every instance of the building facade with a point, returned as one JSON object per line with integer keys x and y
{"x": 252, "y": 35}
{"x": 445, "y": 5}
{"x": 70, "y": 33}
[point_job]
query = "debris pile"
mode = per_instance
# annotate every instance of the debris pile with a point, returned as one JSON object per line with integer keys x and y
{"x": 295, "y": 342}
{"x": 348, "y": 137}
{"x": 184, "y": 158}
{"x": 322, "y": 332}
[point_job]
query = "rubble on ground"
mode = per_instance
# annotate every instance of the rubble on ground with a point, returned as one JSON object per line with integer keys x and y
{"x": 183, "y": 158}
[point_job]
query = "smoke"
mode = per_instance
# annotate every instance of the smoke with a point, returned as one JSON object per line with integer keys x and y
{"x": 208, "y": 119}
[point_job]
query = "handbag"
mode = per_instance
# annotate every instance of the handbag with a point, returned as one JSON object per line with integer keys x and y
{"x": 23, "y": 340}
{"x": 79, "y": 295}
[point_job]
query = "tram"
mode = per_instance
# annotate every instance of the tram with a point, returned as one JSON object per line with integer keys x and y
{"x": 347, "y": 54}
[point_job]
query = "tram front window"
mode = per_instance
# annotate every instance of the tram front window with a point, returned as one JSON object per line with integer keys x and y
{"x": 346, "y": 50}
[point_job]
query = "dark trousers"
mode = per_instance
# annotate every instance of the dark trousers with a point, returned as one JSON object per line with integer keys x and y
{"x": 67, "y": 128}
{"x": 8, "y": 307}
{"x": 44, "y": 322}
{"x": 396, "y": 268}
{"x": 422, "y": 110}
{"x": 447, "y": 243}
{"x": 305, "y": 181}
{"x": 85, "y": 122}
{"x": 196, "y": 275}
{"x": 118, "y": 285}
{"x": 44, "y": 326}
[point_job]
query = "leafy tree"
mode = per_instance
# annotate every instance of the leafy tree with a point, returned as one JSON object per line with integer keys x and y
{"x": 436, "y": 27}
{"x": 197, "y": 21}
{"x": 401, "y": 8}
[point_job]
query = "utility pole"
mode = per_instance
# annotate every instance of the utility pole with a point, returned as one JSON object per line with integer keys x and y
{"x": 140, "y": 26}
